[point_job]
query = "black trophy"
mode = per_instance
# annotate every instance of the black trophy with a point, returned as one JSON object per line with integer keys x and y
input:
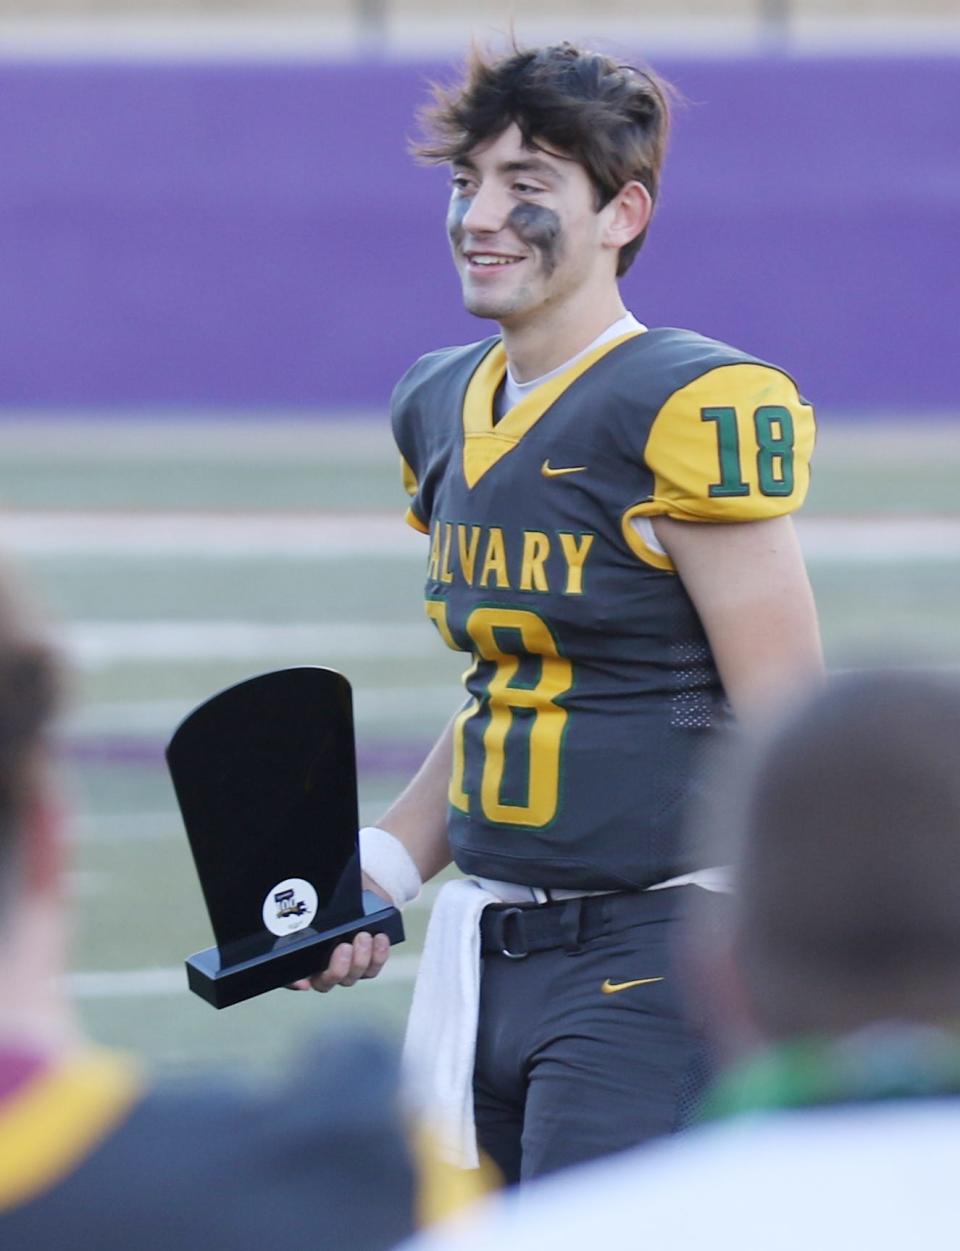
{"x": 266, "y": 779}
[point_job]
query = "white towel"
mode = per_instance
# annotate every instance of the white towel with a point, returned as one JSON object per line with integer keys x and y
{"x": 441, "y": 1041}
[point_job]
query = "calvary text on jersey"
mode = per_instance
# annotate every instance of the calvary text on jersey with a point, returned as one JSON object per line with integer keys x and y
{"x": 477, "y": 556}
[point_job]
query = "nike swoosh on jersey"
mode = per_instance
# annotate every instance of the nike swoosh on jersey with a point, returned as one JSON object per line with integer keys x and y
{"x": 548, "y": 472}
{"x": 611, "y": 988}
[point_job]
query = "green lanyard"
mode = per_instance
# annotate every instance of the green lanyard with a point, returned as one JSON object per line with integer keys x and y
{"x": 885, "y": 1061}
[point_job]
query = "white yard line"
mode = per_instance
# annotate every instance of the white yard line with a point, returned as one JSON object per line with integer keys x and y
{"x": 364, "y": 437}
{"x": 334, "y": 34}
{"x": 206, "y": 536}
{"x": 124, "y": 827}
{"x": 161, "y": 715}
{"x": 98, "y": 644}
{"x": 210, "y": 536}
{"x": 830, "y": 540}
{"x": 148, "y": 983}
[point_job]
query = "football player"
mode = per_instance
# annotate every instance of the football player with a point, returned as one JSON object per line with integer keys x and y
{"x": 607, "y": 518}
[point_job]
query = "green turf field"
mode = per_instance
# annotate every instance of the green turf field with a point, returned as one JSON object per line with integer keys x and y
{"x": 177, "y": 558}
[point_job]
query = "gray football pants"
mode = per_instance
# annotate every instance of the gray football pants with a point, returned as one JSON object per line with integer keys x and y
{"x": 566, "y": 1070}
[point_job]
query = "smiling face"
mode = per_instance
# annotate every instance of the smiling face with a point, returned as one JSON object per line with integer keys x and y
{"x": 525, "y": 231}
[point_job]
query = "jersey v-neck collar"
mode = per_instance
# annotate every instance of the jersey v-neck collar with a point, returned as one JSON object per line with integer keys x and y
{"x": 485, "y": 441}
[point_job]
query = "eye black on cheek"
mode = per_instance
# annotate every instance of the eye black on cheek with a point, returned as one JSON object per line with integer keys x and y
{"x": 541, "y": 228}
{"x": 455, "y": 215}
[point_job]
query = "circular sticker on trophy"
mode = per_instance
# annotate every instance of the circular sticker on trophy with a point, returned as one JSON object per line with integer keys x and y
{"x": 290, "y": 906}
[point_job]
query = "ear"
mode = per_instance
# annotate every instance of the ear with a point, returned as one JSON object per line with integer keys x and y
{"x": 628, "y": 215}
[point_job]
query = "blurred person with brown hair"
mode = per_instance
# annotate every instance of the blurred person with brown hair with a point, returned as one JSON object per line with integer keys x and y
{"x": 833, "y": 990}
{"x": 92, "y": 1156}
{"x": 608, "y": 513}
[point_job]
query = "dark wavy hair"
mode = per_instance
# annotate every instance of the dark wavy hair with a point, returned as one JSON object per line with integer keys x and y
{"x": 610, "y": 117}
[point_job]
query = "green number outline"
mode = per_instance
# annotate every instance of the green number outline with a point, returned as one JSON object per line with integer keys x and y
{"x": 774, "y": 448}
{"x": 775, "y": 452}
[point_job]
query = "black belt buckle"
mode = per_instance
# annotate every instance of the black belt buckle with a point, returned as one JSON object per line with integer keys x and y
{"x": 504, "y": 917}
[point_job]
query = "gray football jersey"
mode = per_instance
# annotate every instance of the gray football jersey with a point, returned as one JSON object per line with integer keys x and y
{"x": 592, "y": 691}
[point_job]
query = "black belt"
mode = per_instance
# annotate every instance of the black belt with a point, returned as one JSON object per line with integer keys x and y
{"x": 517, "y": 930}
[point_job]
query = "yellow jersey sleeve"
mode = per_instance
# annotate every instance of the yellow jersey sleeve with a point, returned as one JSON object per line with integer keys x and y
{"x": 446, "y": 1191}
{"x": 733, "y": 445}
{"x": 411, "y": 486}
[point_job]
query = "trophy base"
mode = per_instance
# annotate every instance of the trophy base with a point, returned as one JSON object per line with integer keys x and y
{"x": 302, "y": 955}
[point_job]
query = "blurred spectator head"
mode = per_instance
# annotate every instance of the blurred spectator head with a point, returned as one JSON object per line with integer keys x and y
{"x": 30, "y": 689}
{"x": 844, "y": 828}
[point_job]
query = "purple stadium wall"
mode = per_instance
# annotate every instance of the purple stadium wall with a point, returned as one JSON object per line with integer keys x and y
{"x": 227, "y": 236}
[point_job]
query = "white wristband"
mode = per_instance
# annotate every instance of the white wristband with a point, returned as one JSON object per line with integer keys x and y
{"x": 387, "y": 862}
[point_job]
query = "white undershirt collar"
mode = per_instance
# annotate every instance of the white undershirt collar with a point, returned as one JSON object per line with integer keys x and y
{"x": 513, "y": 392}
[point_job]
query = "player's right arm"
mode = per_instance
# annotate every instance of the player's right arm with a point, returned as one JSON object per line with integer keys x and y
{"x": 418, "y": 816}
{"x": 729, "y": 452}
{"x": 418, "y": 820}
{"x": 750, "y": 587}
